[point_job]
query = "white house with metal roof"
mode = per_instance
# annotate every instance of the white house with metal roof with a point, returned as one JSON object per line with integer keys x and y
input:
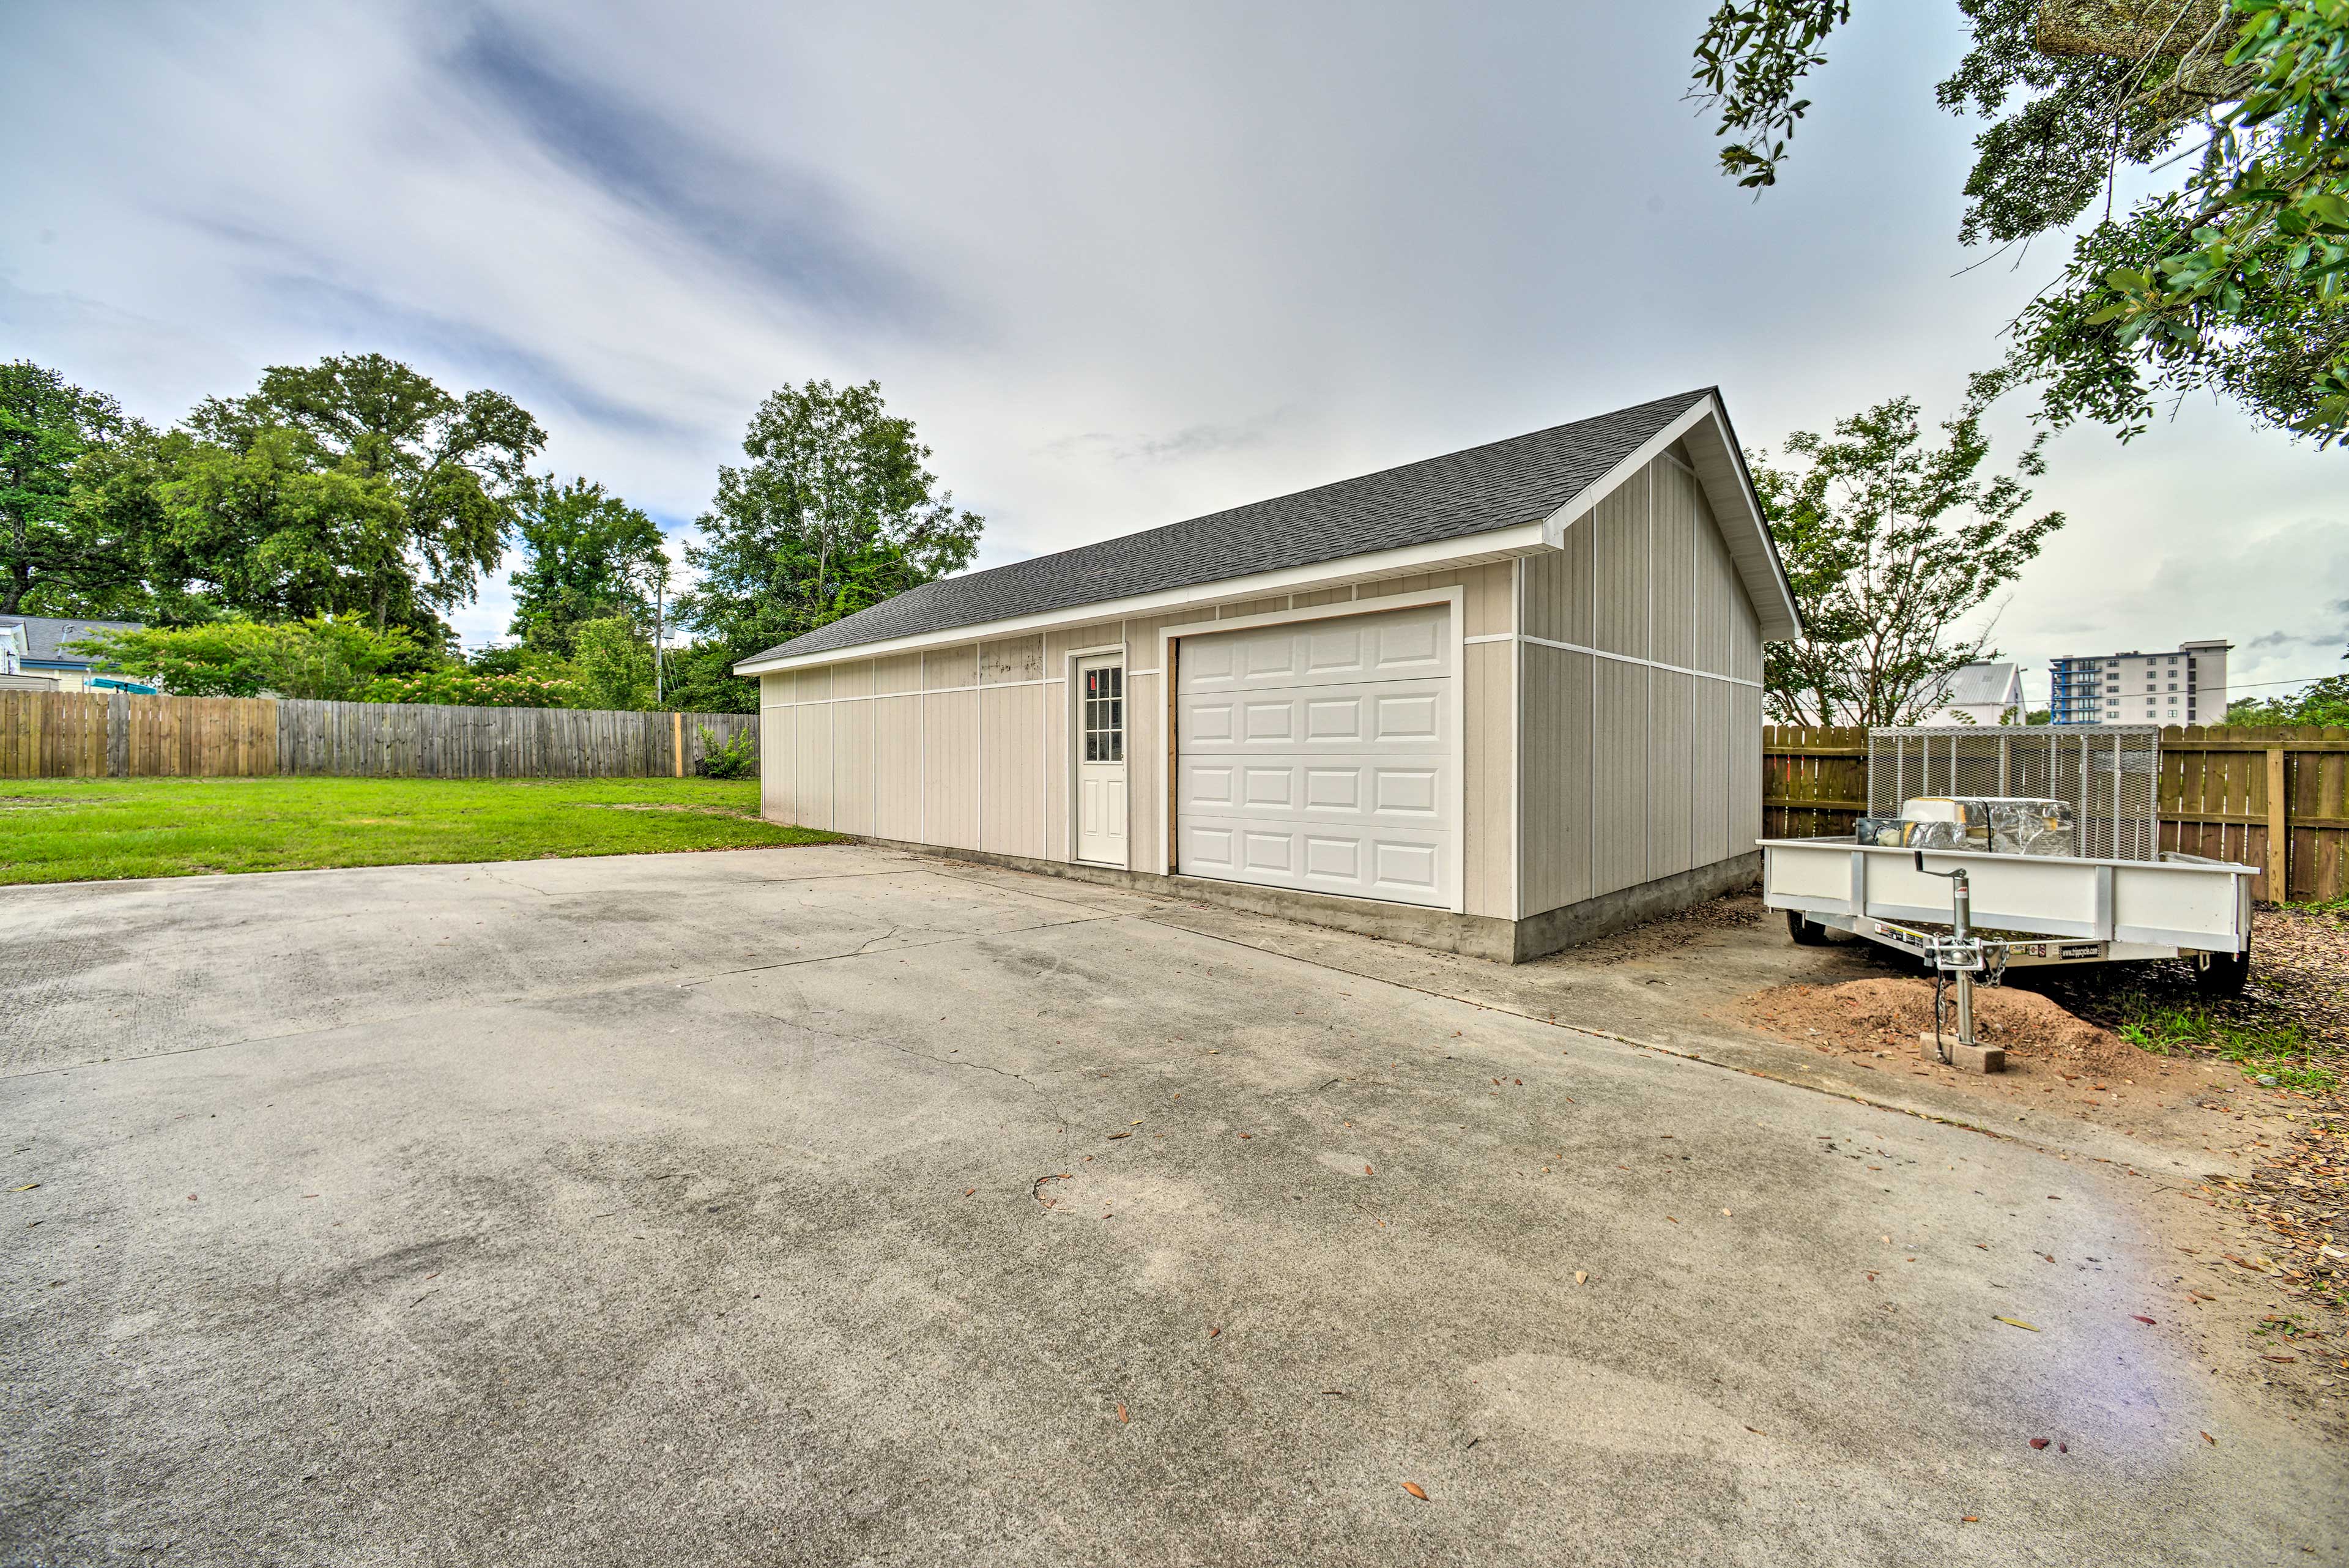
{"x": 1984, "y": 693}
{"x": 1496, "y": 702}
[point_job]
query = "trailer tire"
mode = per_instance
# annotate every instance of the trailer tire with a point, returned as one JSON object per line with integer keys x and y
{"x": 2222, "y": 974}
{"x": 1806, "y": 933}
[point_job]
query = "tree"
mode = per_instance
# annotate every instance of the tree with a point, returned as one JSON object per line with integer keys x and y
{"x": 834, "y": 513}
{"x": 2233, "y": 280}
{"x": 614, "y": 662}
{"x": 454, "y": 464}
{"x": 46, "y": 425}
{"x": 260, "y": 532}
{"x": 590, "y": 556}
{"x": 1890, "y": 545}
{"x": 318, "y": 658}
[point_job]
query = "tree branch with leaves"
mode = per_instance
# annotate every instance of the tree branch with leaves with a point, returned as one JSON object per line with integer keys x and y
{"x": 2235, "y": 281}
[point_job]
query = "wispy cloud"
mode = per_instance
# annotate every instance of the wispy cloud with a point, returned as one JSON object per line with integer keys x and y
{"x": 788, "y": 227}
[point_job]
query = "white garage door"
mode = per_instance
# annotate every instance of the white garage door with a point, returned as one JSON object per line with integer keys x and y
{"x": 1319, "y": 755}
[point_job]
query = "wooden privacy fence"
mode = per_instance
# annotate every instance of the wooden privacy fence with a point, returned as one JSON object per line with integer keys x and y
{"x": 89, "y": 734}
{"x": 2277, "y": 798}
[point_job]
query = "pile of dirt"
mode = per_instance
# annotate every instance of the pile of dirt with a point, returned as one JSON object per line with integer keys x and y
{"x": 1887, "y": 1014}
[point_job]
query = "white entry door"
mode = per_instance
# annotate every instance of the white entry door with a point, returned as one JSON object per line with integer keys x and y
{"x": 1317, "y": 754}
{"x": 1100, "y": 760}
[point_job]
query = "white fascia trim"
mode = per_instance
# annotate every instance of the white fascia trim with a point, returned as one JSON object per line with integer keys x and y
{"x": 1706, "y": 409}
{"x": 1520, "y": 539}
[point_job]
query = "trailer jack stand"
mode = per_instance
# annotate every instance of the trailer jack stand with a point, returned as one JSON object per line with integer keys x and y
{"x": 1958, "y": 955}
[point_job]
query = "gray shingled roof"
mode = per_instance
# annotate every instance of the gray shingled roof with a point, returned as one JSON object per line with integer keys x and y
{"x": 1498, "y": 485}
{"x": 47, "y": 635}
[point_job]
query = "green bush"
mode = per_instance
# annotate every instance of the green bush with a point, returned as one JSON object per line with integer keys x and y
{"x": 734, "y": 759}
{"x": 322, "y": 656}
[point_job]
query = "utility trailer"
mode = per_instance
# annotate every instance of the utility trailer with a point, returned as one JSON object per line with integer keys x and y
{"x": 1970, "y": 915}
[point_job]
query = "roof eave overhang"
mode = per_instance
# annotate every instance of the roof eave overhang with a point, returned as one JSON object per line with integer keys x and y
{"x": 1728, "y": 490}
{"x": 1471, "y": 549}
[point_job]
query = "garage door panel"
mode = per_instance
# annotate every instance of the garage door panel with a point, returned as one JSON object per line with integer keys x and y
{"x": 1403, "y": 792}
{"x": 1401, "y": 864}
{"x": 1318, "y": 756}
{"x": 1395, "y": 716}
{"x": 1400, "y": 645}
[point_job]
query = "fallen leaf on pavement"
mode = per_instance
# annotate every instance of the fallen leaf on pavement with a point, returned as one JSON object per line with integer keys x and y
{"x": 1213, "y": 1331}
{"x": 2209, "y": 1439}
{"x": 1972, "y": 1519}
{"x": 1367, "y": 1171}
{"x": 2038, "y": 1442}
{"x": 1114, "y": 1137}
{"x": 1412, "y": 1488}
{"x": 27, "y": 1188}
{"x": 2017, "y": 1323}
{"x": 968, "y": 1190}
{"x": 1134, "y": 1123}
{"x": 1580, "y": 1277}
{"x": 2140, "y": 1317}
{"x": 1121, "y": 1414}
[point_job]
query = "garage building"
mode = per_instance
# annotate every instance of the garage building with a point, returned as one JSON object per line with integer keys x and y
{"x": 1493, "y": 702}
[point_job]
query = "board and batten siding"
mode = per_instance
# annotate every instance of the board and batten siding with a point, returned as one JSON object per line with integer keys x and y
{"x": 1642, "y": 720}
{"x": 967, "y": 746}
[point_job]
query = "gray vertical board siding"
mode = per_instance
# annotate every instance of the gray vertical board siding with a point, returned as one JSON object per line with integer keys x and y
{"x": 852, "y": 766}
{"x": 1744, "y": 768}
{"x": 1145, "y": 765}
{"x": 1619, "y": 584}
{"x": 1720, "y": 596}
{"x": 779, "y": 772}
{"x": 1672, "y": 564}
{"x": 1012, "y": 782}
{"x": 1488, "y": 689}
{"x": 1556, "y": 853}
{"x": 1672, "y": 731}
{"x": 1618, "y": 776}
{"x": 1710, "y": 779}
{"x": 950, "y": 768}
{"x": 897, "y": 767}
{"x": 814, "y": 757}
{"x": 949, "y": 669}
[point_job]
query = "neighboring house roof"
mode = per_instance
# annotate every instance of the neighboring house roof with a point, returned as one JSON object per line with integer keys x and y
{"x": 1982, "y": 685}
{"x": 45, "y": 637}
{"x": 1527, "y": 479}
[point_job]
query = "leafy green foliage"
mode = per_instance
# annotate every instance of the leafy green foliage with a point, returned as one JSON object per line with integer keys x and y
{"x": 2231, "y": 282}
{"x": 588, "y": 555}
{"x": 318, "y": 658}
{"x": 737, "y": 758}
{"x": 834, "y": 512}
{"x": 1890, "y": 545}
{"x": 1749, "y": 62}
{"x": 452, "y": 465}
{"x": 2324, "y": 701}
{"x": 46, "y": 425}
{"x": 699, "y": 678}
{"x": 615, "y": 663}
{"x": 459, "y": 686}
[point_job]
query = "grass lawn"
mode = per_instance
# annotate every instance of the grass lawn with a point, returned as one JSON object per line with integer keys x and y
{"x": 77, "y": 830}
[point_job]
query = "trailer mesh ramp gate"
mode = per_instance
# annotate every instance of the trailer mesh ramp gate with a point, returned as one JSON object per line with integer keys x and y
{"x": 2106, "y": 774}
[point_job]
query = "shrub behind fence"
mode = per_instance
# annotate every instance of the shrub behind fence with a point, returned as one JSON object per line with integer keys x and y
{"x": 89, "y": 734}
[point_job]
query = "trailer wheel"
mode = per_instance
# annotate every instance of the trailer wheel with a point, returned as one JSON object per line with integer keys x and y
{"x": 2222, "y": 975}
{"x": 1807, "y": 933}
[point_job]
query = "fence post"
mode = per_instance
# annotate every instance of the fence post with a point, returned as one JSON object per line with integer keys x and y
{"x": 2279, "y": 828}
{"x": 677, "y": 740}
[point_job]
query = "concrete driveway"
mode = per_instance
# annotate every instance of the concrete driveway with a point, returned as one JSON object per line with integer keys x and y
{"x": 835, "y": 1205}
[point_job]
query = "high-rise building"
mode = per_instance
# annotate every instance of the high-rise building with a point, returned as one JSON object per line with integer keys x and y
{"x": 2188, "y": 687}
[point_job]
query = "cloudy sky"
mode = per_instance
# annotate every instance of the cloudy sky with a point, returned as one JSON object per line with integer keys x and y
{"x": 1120, "y": 264}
